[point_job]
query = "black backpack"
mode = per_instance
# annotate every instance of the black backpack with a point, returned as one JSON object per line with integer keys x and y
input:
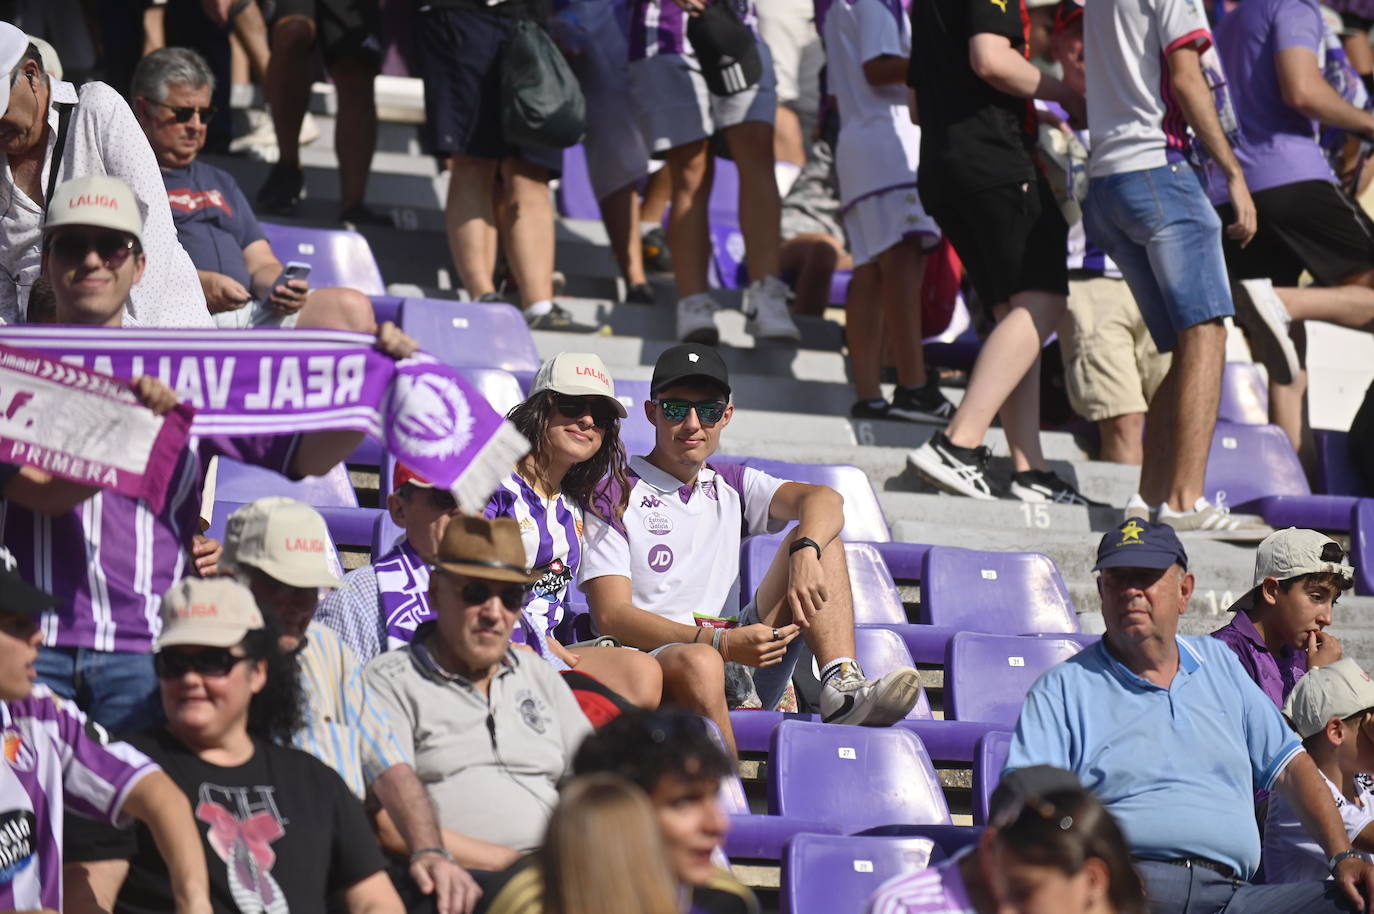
{"x": 543, "y": 102}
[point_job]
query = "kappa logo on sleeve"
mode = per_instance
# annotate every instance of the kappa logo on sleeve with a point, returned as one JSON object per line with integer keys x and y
{"x": 1000, "y": 4}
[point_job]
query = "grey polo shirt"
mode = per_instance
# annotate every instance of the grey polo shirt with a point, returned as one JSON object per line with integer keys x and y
{"x": 491, "y": 763}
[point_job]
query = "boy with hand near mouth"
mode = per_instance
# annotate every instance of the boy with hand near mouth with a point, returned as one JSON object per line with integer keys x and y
{"x": 1278, "y": 632}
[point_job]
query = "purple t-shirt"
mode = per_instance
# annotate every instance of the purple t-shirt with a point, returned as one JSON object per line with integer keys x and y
{"x": 1278, "y": 145}
{"x": 1275, "y": 675}
{"x": 53, "y": 761}
{"x": 938, "y": 890}
{"x": 213, "y": 218}
{"x": 109, "y": 560}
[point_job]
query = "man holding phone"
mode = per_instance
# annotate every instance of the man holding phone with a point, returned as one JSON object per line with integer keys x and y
{"x": 245, "y": 284}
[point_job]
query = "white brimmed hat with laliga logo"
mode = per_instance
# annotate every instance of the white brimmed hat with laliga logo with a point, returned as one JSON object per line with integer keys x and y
{"x": 95, "y": 200}
{"x": 577, "y": 374}
{"x": 285, "y": 539}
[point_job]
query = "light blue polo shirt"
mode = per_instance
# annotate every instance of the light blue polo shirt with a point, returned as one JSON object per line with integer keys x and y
{"x": 1177, "y": 767}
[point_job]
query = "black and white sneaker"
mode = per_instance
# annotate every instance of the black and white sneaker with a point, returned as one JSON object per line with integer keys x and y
{"x": 1044, "y": 486}
{"x": 921, "y": 404}
{"x": 957, "y": 470}
{"x": 561, "y": 321}
{"x": 870, "y": 409}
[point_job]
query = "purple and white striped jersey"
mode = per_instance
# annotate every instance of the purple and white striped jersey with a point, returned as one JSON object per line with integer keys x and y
{"x": 54, "y": 761}
{"x": 938, "y": 890}
{"x": 679, "y": 544}
{"x": 552, "y": 533}
{"x": 660, "y": 26}
{"x": 109, "y": 560}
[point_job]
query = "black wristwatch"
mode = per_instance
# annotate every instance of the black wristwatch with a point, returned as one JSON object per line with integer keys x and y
{"x": 803, "y": 542}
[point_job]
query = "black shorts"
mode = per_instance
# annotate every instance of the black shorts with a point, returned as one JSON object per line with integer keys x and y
{"x": 1306, "y": 225}
{"x": 459, "y": 56}
{"x": 344, "y": 29}
{"x": 1011, "y": 238}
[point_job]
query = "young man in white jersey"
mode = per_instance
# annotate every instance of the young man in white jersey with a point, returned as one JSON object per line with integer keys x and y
{"x": 665, "y": 578}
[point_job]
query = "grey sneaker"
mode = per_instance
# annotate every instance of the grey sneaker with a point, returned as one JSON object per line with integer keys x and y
{"x": 560, "y": 321}
{"x": 696, "y": 319}
{"x": 848, "y": 698}
{"x": 767, "y": 316}
{"x": 1265, "y": 319}
{"x": 1214, "y": 522}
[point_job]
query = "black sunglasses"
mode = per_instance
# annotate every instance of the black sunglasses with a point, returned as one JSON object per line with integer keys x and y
{"x": 214, "y": 662}
{"x": 603, "y": 414}
{"x": 708, "y": 411}
{"x": 512, "y": 595}
{"x": 183, "y": 113}
{"x": 113, "y": 248}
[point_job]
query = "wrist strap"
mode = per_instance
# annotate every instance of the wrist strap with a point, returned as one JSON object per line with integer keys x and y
{"x": 804, "y": 542}
{"x": 716, "y": 635}
{"x": 433, "y": 850}
{"x": 1343, "y": 855}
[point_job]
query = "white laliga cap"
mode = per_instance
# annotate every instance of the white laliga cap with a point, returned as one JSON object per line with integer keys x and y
{"x": 577, "y": 374}
{"x": 13, "y": 44}
{"x": 1340, "y": 689}
{"x": 96, "y": 200}
{"x": 1292, "y": 553}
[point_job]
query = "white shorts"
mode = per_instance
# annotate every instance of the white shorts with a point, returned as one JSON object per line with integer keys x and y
{"x": 789, "y": 29}
{"x": 616, "y": 152}
{"x": 253, "y": 314}
{"x": 877, "y": 222}
{"x": 676, "y": 108}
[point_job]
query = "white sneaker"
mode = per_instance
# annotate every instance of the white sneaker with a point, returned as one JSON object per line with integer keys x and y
{"x": 767, "y": 316}
{"x": 1262, "y": 313}
{"x": 848, "y": 698}
{"x": 696, "y": 319}
{"x": 1137, "y": 508}
{"x": 1215, "y": 522}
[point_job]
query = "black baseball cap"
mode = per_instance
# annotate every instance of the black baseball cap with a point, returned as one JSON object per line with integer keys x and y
{"x": 1066, "y": 13}
{"x": 1140, "y": 544}
{"x": 689, "y": 361}
{"x": 17, "y": 595}
{"x": 725, "y": 48}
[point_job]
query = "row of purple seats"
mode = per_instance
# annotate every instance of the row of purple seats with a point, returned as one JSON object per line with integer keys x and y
{"x": 1336, "y": 471}
{"x": 864, "y": 520}
{"x": 337, "y": 257}
{"x": 987, "y": 676}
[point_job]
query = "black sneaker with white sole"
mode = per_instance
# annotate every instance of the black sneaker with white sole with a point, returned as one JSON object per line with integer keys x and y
{"x": 561, "y": 321}
{"x": 877, "y": 408}
{"x": 1045, "y": 486}
{"x": 953, "y": 469}
{"x": 921, "y": 404}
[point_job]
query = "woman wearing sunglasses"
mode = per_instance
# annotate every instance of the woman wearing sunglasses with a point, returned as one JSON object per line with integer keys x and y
{"x": 1056, "y": 852}
{"x": 572, "y": 420}
{"x": 281, "y": 831}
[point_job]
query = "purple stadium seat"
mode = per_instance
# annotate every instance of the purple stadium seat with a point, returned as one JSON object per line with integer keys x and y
{"x": 385, "y": 533}
{"x": 945, "y": 740}
{"x": 987, "y": 771}
{"x": 863, "y": 516}
{"x": 471, "y": 334}
{"x": 220, "y": 519}
{"x": 886, "y": 775}
{"x": 1244, "y": 396}
{"x": 386, "y": 308}
{"x": 1011, "y": 592}
{"x": 950, "y": 839}
{"x": 904, "y": 560}
{"x": 987, "y": 676}
{"x": 724, "y": 203}
{"x": 839, "y": 286}
{"x": 1248, "y": 462}
{"x": 337, "y": 257}
{"x": 636, "y": 431}
{"x": 576, "y": 199}
{"x": 331, "y": 494}
{"x": 875, "y": 596}
{"x": 1336, "y": 472}
{"x": 1362, "y": 545}
{"x": 822, "y": 874}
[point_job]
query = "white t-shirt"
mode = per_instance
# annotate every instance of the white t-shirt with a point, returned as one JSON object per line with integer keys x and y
{"x": 1290, "y": 854}
{"x": 1132, "y": 114}
{"x": 679, "y": 544}
{"x": 878, "y": 148}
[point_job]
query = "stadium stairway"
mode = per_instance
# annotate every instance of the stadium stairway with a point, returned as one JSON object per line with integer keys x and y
{"x": 792, "y": 402}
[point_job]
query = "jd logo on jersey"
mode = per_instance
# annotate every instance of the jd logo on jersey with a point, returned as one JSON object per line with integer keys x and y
{"x": 660, "y": 558}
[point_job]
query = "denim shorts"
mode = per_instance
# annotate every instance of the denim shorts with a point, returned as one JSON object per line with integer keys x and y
{"x": 1160, "y": 228}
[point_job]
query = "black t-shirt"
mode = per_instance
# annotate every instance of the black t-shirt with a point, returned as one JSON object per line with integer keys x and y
{"x": 972, "y": 136}
{"x": 281, "y": 833}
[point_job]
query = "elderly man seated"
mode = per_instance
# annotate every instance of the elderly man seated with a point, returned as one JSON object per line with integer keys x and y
{"x": 238, "y": 271}
{"x": 489, "y": 729}
{"x": 1174, "y": 738}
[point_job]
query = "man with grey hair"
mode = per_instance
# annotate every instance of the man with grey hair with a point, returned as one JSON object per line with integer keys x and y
{"x": 51, "y": 133}
{"x": 239, "y": 273}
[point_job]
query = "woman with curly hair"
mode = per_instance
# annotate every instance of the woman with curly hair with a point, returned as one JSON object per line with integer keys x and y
{"x": 572, "y": 420}
{"x": 281, "y": 831}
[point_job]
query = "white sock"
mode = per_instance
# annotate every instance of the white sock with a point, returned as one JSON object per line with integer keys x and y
{"x": 833, "y": 668}
{"x": 539, "y": 308}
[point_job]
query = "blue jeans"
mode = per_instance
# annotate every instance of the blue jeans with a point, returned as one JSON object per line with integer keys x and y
{"x": 1159, "y": 227}
{"x": 1181, "y": 890}
{"x": 116, "y": 689}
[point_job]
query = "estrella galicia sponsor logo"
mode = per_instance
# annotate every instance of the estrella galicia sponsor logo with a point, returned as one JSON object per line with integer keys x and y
{"x": 17, "y": 827}
{"x": 658, "y": 524}
{"x": 660, "y": 558}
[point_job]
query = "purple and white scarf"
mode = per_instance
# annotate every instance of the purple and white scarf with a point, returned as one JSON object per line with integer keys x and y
{"x": 274, "y": 382}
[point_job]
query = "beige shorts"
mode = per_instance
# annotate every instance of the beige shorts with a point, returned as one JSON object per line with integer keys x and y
{"x": 1111, "y": 365}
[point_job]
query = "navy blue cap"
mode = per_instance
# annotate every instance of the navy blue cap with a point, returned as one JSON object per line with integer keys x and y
{"x": 1140, "y": 544}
